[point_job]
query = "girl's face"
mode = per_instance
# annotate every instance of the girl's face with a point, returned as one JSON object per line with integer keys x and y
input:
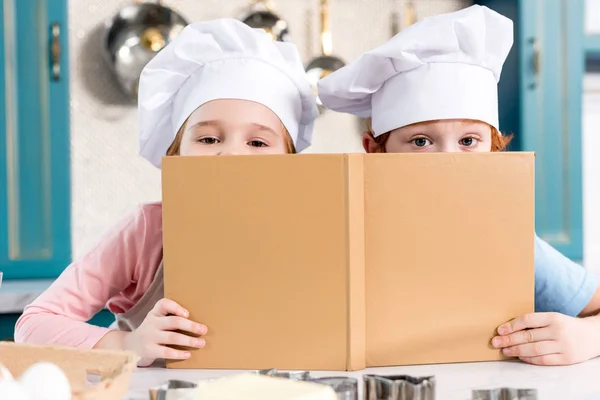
{"x": 444, "y": 136}
{"x": 232, "y": 126}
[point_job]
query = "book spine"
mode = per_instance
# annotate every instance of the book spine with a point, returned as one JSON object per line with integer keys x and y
{"x": 355, "y": 219}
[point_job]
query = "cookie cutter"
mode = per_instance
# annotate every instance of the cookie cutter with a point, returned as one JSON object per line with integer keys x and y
{"x": 294, "y": 375}
{"x": 344, "y": 387}
{"x": 174, "y": 390}
{"x": 504, "y": 394}
{"x": 398, "y": 387}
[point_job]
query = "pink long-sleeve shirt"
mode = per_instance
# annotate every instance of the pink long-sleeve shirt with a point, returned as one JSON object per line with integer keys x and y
{"x": 116, "y": 274}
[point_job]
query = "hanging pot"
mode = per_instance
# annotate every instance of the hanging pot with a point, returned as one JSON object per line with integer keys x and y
{"x": 134, "y": 36}
{"x": 321, "y": 66}
{"x": 261, "y": 15}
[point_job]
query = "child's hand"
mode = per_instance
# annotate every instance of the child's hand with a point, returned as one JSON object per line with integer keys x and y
{"x": 151, "y": 338}
{"x": 550, "y": 339}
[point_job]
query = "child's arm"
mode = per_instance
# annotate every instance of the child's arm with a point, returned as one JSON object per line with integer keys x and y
{"x": 553, "y": 335}
{"x": 561, "y": 285}
{"x": 60, "y": 314}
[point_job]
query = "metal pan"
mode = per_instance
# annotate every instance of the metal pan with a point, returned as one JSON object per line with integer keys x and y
{"x": 261, "y": 15}
{"x": 134, "y": 36}
{"x": 321, "y": 66}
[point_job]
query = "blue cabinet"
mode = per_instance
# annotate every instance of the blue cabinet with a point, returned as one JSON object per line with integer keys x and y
{"x": 35, "y": 197}
{"x": 541, "y": 103}
{"x": 592, "y": 44}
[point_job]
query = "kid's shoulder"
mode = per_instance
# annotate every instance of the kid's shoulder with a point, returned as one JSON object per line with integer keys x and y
{"x": 143, "y": 217}
{"x": 151, "y": 210}
{"x": 150, "y": 214}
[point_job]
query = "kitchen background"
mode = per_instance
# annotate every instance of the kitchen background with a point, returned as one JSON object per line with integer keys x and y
{"x": 97, "y": 177}
{"x": 108, "y": 176}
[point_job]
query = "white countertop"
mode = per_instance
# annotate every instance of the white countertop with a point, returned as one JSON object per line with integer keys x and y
{"x": 453, "y": 381}
{"x": 16, "y": 294}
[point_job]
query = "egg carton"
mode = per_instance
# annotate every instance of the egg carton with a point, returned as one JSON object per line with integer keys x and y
{"x": 92, "y": 374}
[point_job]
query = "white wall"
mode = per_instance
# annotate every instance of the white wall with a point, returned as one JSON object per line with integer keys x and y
{"x": 592, "y": 16}
{"x": 108, "y": 176}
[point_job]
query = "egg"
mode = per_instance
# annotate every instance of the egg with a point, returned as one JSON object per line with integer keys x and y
{"x": 46, "y": 381}
{"x": 5, "y": 374}
{"x": 13, "y": 390}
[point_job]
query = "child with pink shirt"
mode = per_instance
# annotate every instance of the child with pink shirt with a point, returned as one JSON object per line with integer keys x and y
{"x": 220, "y": 88}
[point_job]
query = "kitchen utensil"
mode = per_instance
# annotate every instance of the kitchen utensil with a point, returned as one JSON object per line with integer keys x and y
{"x": 345, "y": 388}
{"x": 261, "y": 15}
{"x": 326, "y": 63}
{"x": 294, "y": 375}
{"x": 504, "y": 394}
{"x": 398, "y": 387}
{"x": 134, "y": 36}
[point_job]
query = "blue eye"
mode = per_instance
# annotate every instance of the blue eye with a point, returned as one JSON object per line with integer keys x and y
{"x": 468, "y": 141}
{"x": 421, "y": 142}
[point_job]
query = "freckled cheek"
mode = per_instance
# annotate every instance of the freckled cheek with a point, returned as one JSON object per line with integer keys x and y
{"x": 411, "y": 148}
{"x": 484, "y": 146}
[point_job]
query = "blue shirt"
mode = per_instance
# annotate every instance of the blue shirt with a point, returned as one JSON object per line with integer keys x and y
{"x": 561, "y": 285}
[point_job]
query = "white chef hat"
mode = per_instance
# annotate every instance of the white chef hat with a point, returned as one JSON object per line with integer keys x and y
{"x": 219, "y": 59}
{"x": 442, "y": 67}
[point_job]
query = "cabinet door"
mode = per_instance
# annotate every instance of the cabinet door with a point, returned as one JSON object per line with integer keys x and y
{"x": 35, "y": 196}
{"x": 552, "y": 67}
{"x": 540, "y": 94}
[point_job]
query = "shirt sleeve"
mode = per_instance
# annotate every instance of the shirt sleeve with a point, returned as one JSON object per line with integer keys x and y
{"x": 60, "y": 314}
{"x": 561, "y": 285}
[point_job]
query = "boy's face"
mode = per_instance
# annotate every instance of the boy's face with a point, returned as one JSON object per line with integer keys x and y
{"x": 232, "y": 126}
{"x": 445, "y": 136}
